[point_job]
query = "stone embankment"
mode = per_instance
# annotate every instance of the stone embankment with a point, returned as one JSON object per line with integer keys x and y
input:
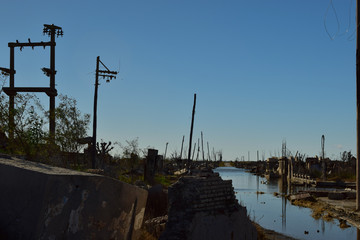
{"x": 44, "y": 202}
{"x": 203, "y": 206}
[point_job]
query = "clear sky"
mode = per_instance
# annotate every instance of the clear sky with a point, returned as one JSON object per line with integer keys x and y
{"x": 263, "y": 71}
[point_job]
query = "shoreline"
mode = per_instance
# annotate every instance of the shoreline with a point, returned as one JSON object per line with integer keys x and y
{"x": 267, "y": 234}
{"x": 343, "y": 210}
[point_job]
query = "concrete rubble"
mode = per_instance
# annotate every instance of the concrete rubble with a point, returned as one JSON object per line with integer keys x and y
{"x": 203, "y": 206}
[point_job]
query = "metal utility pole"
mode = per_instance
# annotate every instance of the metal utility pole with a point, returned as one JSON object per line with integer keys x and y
{"x": 109, "y": 75}
{"x": 191, "y": 131}
{"x": 11, "y": 91}
{"x": 357, "y": 105}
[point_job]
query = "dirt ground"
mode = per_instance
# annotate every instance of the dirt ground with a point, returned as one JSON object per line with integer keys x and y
{"x": 343, "y": 210}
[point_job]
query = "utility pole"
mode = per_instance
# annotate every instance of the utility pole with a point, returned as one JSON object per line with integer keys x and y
{"x": 11, "y": 91}
{"x": 323, "y": 164}
{"x": 109, "y": 75}
{"x": 202, "y": 146}
{"x": 182, "y": 144}
{"x": 198, "y": 151}
{"x": 165, "y": 150}
{"x": 192, "y": 158}
{"x": 191, "y": 130}
{"x": 209, "y": 159}
{"x": 357, "y": 105}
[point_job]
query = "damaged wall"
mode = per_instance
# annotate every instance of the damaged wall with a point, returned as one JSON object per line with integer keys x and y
{"x": 204, "y": 207}
{"x": 43, "y": 202}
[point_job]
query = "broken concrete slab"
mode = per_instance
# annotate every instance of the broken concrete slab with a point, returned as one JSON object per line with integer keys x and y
{"x": 44, "y": 202}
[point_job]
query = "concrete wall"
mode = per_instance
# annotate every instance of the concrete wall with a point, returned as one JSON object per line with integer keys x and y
{"x": 43, "y": 202}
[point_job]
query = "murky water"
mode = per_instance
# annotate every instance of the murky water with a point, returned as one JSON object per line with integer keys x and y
{"x": 277, "y": 213}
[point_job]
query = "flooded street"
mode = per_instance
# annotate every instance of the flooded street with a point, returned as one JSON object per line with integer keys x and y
{"x": 276, "y": 212}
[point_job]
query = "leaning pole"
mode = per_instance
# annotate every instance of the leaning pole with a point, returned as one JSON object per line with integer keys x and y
{"x": 357, "y": 108}
{"x": 191, "y": 132}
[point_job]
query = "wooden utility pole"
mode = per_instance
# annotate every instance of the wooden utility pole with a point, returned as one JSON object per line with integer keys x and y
{"x": 209, "y": 159}
{"x": 182, "y": 145}
{"x": 192, "y": 158}
{"x": 11, "y": 91}
{"x": 191, "y": 131}
{"x": 198, "y": 151}
{"x": 165, "y": 150}
{"x": 357, "y": 106}
{"x": 202, "y": 146}
{"x": 108, "y": 75}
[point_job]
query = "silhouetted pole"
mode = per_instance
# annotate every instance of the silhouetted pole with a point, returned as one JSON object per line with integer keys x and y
{"x": 93, "y": 150}
{"x": 105, "y": 74}
{"x": 323, "y": 164}
{"x": 202, "y": 146}
{"x": 198, "y": 151}
{"x": 191, "y": 130}
{"x": 193, "y": 151}
{"x": 182, "y": 145}
{"x": 357, "y": 106}
{"x": 12, "y": 96}
{"x": 209, "y": 159}
{"x": 52, "y": 85}
{"x": 165, "y": 150}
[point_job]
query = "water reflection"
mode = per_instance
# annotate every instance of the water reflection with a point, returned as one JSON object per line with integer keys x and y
{"x": 272, "y": 210}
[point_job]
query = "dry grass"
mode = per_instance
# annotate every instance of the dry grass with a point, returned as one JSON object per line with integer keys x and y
{"x": 146, "y": 236}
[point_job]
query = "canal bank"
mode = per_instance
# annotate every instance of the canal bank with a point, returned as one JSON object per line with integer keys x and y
{"x": 267, "y": 205}
{"x": 342, "y": 210}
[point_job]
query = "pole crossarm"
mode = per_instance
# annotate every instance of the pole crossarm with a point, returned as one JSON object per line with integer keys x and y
{"x": 30, "y": 44}
{"x": 107, "y": 76}
{"x": 108, "y": 72}
{"x": 12, "y": 91}
{"x": 7, "y": 70}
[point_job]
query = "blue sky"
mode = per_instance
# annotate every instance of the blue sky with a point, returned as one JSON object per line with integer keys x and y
{"x": 263, "y": 71}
